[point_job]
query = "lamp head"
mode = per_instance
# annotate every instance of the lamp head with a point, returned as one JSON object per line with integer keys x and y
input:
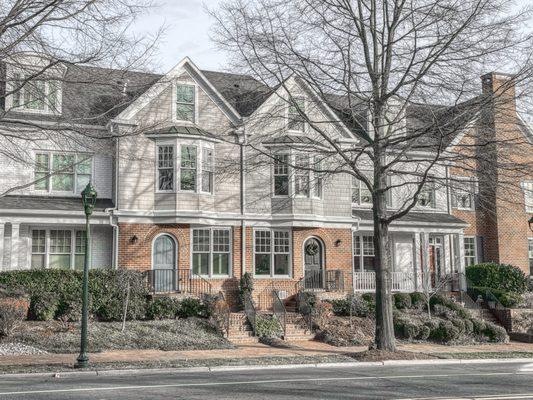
{"x": 88, "y": 198}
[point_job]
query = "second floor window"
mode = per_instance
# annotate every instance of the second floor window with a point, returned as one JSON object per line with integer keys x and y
{"x": 208, "y": 170}
{"x": 62, "y": 172}
{"x": 426, "y": 197}
{"x": 463, "y": 194}
{"x": 301, "y": 175}
{"x": 296, "y": 121}
{"x": 188, "y": 168}
{"x": 361, "y": 195}
{"x": 281, "y": 175}
{"x": 165, "y": 168}
{"x": 185, "y": 103}
{"x": 470, "y": 251}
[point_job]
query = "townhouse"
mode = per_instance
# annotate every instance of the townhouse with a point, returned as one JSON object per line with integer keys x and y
{"x": 196, "y": 187}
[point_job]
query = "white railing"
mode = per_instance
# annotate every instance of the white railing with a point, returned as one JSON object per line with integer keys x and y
{"x": 401, "y": 281}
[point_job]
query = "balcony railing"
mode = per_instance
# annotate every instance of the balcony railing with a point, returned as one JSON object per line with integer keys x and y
{"x": 177, "y": 280}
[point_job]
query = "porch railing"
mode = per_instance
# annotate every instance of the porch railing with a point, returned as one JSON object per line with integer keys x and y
{"x": 280, "y": 311}
{"x": 401, "y": 281}
{"x": 177, "y": 280}
{"x": 331, "y": 280}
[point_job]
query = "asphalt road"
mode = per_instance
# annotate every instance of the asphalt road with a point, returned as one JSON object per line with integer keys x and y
{"x": 466, "y": 381}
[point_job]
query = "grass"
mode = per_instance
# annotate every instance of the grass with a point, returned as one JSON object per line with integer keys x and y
{"x": 179, "y": 334}
{"x": 487, "y": 355}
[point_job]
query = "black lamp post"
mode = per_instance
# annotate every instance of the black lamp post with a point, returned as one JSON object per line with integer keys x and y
{"x": 531, "y": 224}
{"x": 88, "y": 198}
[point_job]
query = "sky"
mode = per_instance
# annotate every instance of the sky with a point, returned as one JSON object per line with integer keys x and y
{"x": 186, "y": 33}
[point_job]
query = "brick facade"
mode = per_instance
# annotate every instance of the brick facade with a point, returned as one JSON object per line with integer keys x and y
{"x": 135, "y": 252}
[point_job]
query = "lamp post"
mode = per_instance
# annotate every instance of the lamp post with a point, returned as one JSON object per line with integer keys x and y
{"x": 88, "y": 198}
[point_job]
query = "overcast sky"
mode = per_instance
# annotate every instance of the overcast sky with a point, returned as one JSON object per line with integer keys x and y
{"x": 187, "y": 33}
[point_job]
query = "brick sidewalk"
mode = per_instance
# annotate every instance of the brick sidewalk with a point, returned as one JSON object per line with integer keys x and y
{"x": 300, "y": 348}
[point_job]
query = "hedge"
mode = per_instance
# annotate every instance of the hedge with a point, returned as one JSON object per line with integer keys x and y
{"x": 56, "y": 293}
{"x": 503, "y": 277}
{"x": 506, "y": 299}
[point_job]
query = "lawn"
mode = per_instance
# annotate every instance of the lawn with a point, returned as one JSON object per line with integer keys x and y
{"x": 178, "y": 334}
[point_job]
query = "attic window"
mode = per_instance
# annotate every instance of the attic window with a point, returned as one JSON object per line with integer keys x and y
{"x": 35, "y": 95}
{"x": 185, "y": 103}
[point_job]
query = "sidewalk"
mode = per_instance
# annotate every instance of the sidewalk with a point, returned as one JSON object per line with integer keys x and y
{"x": 299, "y": 348}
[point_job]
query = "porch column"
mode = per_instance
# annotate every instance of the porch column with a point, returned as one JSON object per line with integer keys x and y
{"x": 424, "y": 249}
{"x": 15, "y": 245}
{"x": 460, "y": 258}
{"x": 2, "y": 245}
{"x": 417, "y": 241}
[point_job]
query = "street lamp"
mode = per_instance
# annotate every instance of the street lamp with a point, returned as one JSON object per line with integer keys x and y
{"x": 531, "y": 224}
{"x": 88, "y": 198}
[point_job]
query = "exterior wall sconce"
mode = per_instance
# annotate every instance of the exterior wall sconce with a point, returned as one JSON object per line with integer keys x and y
{"x": 338, "y": 242}
{"x": 531, "y": 224}
{"x": 134, "y": 239}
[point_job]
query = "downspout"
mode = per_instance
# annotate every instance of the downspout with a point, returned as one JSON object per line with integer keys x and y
{"x": 449, "y": 207}
{"x": 111, "y": 209}
{"x": 242, "y": 143}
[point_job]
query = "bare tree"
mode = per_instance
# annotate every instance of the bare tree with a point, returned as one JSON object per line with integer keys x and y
{"x": 76, "y": 53}
{"x": 378, "y": 64}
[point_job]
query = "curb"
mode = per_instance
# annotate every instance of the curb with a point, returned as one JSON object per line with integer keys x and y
{"x": 228, "y": 368}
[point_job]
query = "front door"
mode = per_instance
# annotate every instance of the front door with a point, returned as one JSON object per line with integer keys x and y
{"x": 314, "y": 272}
{"x": 164, "y": 264}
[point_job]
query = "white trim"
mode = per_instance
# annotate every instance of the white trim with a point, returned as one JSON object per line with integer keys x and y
{"x": 323, "y": 256}
{"x": 476, "y": 252}
{"x": 174, "y": 167}
{"x": 47, "y": 229}
{"x": 272, "y": 275}
{"x": 176, "y": 249}
{"x": 175, "y": 103}
{"x": 210, "y": 274}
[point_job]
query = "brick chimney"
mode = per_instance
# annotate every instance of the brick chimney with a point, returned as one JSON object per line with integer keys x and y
{"x": 501, "y": 89}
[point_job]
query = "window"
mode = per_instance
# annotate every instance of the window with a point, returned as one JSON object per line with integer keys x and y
{"x": 426, "y": 197}
{"x": 361, "y": 195}
{"x": 38, "y": 95}
{"x": 65, "y": 173}
{"x": 528, "y": 195}
{"x": 530, "y": 255}
{"x": 188, "y": 168}
{"x": 281, "y": 175}
{"x": 272, "y": 257}
{"x": 463, "y": 193}
{"x": 211, "y": 251}
{"x": 165, "y": 168}
{"x": 470, "y": 250}
{"x": 301, "y": 175}
{"x": 317, "y": 188}
{"x": 363, "y": 253}
{"x": 207, "y": 170}
{"x": 185, "y": 102}
{"x": 57, "y": 248}
{"x": 38, "y": 248}
{"x": 296, "y": 120}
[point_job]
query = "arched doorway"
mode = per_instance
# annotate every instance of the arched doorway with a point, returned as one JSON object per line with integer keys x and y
{"x": 164, "y": 263}
{"x": 313, "y": 263}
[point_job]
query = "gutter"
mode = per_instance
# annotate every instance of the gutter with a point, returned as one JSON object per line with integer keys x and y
{"x": 242, "y": 198}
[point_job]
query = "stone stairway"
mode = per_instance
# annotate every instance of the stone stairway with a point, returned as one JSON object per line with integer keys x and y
{"x": 482, "y": 310}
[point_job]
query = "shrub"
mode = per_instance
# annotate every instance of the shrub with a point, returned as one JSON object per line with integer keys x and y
{"x": 43, "y": 306}
{"x": 402, "y": 301}
{"x": 353, "y": 305}
{"x": 191, "y": 307}
{"x": 69, "y": 310}
{"x": 107, "y": 289}
{"x": 469, "y": 327}
{"x": 495, "y": 333}
{"x": 266, "y": 326}
{"x": 459, "y": 324}
{"x": 445, "y": 332}
{"x": 506, "y": 299}
{"x": 405, "y": 328}
{"x": 503, "y": 277}
{"x": 478, "y": 326}
{"x": 424, "y": 332}
{"x": 13, "y": 311}
{"x": 246, "y": 285}
{"x": 307, "y": 302}
{"x": 418, "y": 300}
{"x": 162, "y": 308}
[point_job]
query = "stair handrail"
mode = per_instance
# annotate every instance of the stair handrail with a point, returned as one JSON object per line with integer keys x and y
{"x": 205, "y": 285}
{"x": 280, "y": 312}
{"x": 227, "y": 313}
{"x": 249, "y": 309}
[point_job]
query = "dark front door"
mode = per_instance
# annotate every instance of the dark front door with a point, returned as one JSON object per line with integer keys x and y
{"x": 314, "y": 272}
{"x": 164, "y": 264}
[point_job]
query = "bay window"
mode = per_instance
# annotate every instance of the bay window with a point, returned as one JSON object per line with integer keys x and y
{"x": 208, "y": 169}
{"x": 272, "y": 252}
{"x": 281, "y": 175}
{"x": 363, "y": 253}
{"x": 188, "y": 168}
{"x": 62, "y": 172}
{"x": 317, "y": 187}
{"x": 211, "y": 251}
{"x": 58, "y": 248}
{"x": 301, "y": 175}
{"x": 165, "y": 168}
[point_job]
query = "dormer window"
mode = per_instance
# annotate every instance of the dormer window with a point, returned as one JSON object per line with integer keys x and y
{"x": 295, "y": 119}
{"x": 35, "y": 95}
{"x": 427, "y": 195}
{"x": 185, "y": 103}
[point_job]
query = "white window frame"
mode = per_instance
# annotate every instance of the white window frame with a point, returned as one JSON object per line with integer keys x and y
{"x": 210, "y": 171}
{"x": 361, "y": 254}
{"x": 360, "y": 188}
{"x": 174, "y": 167}
{"x": 75, "y": 173}
{"x": 211, "y": 251}
{"x": 180, "y": 168}
{"x": 47, "y": 253}
{"x": 475, "y": 256}
{"x": 303, "y": 172}
{"x": 47, "y": 109}
{"x": 272, "y": 275}
{"x": 433, "y": 204}
{"x": 460, "y": 181}
{"x": 175, "y": 102}
{"x": 316, "y": 178}
{"x": 530, "y": 254}
{"x": 288, "y": 108}
{"x": 288, "y": 175}
{"x": 527, "y": 187}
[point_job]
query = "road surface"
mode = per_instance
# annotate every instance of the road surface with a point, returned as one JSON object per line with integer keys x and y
{"x": 465, "y": 381}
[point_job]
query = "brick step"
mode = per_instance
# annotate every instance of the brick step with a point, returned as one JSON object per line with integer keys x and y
{"x": 289, "y": 338}
{"x": 244, "y": 340}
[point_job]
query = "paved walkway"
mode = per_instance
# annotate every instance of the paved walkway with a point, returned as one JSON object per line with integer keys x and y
{"x": 300, "y": 348}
